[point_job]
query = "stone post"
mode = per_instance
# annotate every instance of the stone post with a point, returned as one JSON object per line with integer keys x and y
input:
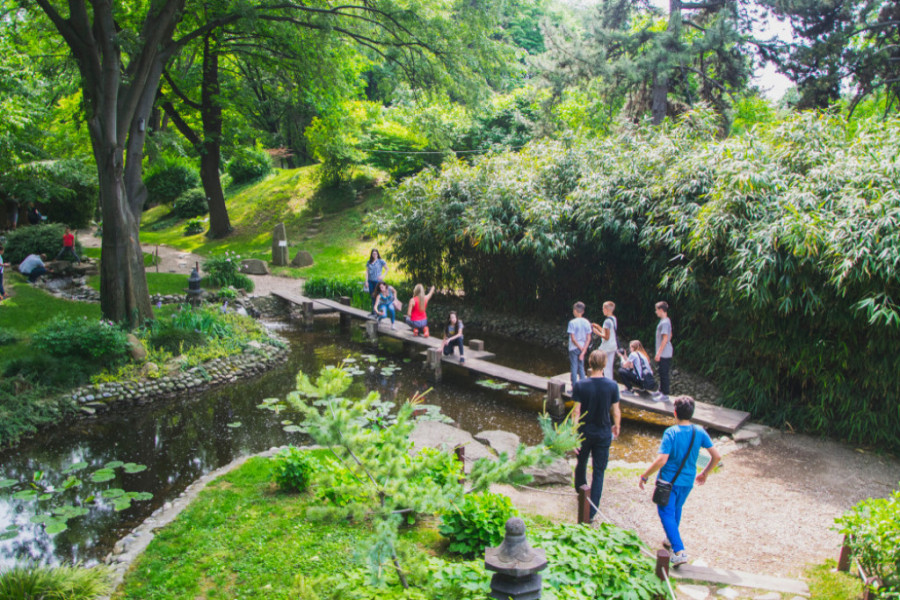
{"x": 556, "y": 407}
{"x": 308, "y": 314}
{"x": 434, "y": 363}
{"x": 662, "y": 564}
{"x": 372, "y": 332}
{"x": 345, "y": 317}
{"x": 584, "y": 504}
{"x": 279, "y": 246}
{"x": 476, "y": 345}
{"x": 515, "y": 565}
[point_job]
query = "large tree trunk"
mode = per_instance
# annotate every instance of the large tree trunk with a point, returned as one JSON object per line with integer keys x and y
{"x": 210, "y": 150}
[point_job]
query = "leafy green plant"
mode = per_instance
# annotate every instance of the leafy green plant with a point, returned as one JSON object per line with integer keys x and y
{"x": 169, "y": 178}
{"x": 874, "y": 529}
{"x": 26, "y": 405}
{"x": 54, "y": 583}
{"x": 330, "y": 287}
{"x": 193, "y": 227}
{"x": 72, "y": 337}
{"x": 224, "y": 270}
{"x": 7, "y": 337}
{"x": 478, "y": 522}
{"x": 293, "y": 469}
{"x": 227, "y": 293}
{"x": 191, "y": 203}
{"x": 35, "y": 239}
{"x": 248, "y": 164}
{"x": 176, "y": 339}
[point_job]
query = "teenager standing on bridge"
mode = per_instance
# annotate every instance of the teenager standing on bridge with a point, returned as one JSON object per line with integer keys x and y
{"x": 375, "y": 270}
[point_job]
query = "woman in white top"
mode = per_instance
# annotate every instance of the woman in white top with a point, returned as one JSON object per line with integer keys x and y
{"x": 610, "y": 344}
{"x": 635, "y": 371}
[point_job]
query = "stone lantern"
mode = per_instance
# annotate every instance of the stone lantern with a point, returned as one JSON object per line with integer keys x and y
{"x": 194, "y": 291}
{"x": 515, "y": 565}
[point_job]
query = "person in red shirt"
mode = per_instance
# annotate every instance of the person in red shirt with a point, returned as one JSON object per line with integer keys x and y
{"x": 68, "y": 246}
{"x": 415, "y": 316}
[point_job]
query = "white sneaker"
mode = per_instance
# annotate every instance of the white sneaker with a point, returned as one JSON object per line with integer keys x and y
{"x": 679, "y": 559}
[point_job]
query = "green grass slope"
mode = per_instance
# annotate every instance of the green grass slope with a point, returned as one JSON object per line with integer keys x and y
{"x": 292, "y": 197}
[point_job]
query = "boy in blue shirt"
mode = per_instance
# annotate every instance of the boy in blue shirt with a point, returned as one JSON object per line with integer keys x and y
{"x": 579, "y": 340}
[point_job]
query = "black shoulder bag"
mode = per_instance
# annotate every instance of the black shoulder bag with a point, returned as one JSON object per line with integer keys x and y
{"x": 664, "y": 488}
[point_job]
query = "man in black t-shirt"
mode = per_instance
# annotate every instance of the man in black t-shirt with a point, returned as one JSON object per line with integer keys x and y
{"x": 596, "y": 400}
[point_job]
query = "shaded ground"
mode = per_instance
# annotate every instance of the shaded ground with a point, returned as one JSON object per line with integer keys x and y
{"x": 768, "y": 510}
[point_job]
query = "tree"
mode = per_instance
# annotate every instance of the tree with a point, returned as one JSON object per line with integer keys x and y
{"x": 370, "y": 443}
{"x": 838, "y": 46}
{"x": 645, "y": 67}
{"x": 122, "y": 49}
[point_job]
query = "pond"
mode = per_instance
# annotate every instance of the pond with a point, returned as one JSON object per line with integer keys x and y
{"x": 167, "y": 445}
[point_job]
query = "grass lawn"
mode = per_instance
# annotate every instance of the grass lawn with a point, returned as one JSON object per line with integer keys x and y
{"x": 291, "y": 197}
{"x": 149, "y": 259}
{"x": 166, "y": 284}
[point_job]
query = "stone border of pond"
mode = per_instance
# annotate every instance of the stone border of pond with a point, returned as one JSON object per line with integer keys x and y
{"x": 257, "y": 358}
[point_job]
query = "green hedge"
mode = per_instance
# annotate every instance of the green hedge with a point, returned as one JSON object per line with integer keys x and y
{"x": 35, "y": 239}
{"x": 776, "y": 250}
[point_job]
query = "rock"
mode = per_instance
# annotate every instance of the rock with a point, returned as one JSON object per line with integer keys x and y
{"x": 557, "y": 472}
{"x": 279, "y": 246}
{"x": 254, "y": 266}
{"x": 745, "y": 435}
{"x": 769, "y": 596}
{"x": 136, "y": 348}
{"x": 432, "y": 434}
{"x": 694, "y": 592}
{"x": 499, "y": 441}
{"x": 302, "y": 259}
{"x": 150, "y": 369}
{"x": 730, "y": 593}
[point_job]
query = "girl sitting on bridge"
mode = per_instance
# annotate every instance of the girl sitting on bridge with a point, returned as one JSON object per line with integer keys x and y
{"x": 386, "y": 296}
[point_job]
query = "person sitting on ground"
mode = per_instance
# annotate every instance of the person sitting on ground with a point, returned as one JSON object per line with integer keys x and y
{"x": 579, "y": 332}
{"x": 681, "y": 444}
{"x": 34, "y": 215}
{"x": 386, "y": 297}
{"x": 635, "y": 371}
{"x": 453, "y": 336}
{"x": 33, "y": 267}
{"x": 415, "y": 315}
{"x": 607, "y": 333}
{"x": 598, "y": 416}
{"x": 68, "y": 246}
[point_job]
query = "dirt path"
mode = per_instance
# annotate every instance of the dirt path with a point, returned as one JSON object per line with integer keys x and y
{"x": 768, "y": 510}
{"x": 173, "y": 260}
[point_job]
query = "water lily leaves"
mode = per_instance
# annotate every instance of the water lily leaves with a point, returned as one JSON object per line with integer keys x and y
{"x": 234, "y": 425}
{"x": 71, "y": 482}
{"x": 75, "y": 467}
{"x": 9, "y": 534}
{"x": 140, "y": 496}
{"x": 25, "y": 495}
{"x": 102, "y": 475}
{"x": 518, "y": 392}
{"x": 114, "y": 464}
{"x": 134, "y": 467}
{"x": 38, "y": 519}
{"x": 5, "y": 483}
{"x": 112, "y": 493}
{"x": 287, "y": 422}
{"x": 349, "y": 360}
{"x": 43, "y": 497}
{"x": 493, "y": 385}
{"x": 54, "y": 527}
{"x": 123, "y": 503}
{"x": 292, "y": 428}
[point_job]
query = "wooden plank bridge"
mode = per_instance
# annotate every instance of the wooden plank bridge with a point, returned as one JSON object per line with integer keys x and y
{"x": 478, "y": 364}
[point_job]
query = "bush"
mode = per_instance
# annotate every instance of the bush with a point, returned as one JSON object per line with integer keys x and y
{"x": 169, "y": 178}
{"x": 248, "y": 164}
{"x": 26, "y": 406}
{"x": 191, "y": 203}
{"x": 224, "y": 270}
{"x": 874, "y": 529}
{"x": 53, "y": 583}
{"x": 44, "y": 370}
{"x": 7, "y": 338}
{"x": 193, "y": 227}
{"x": 478, "y": 523}
{"x": 293, "y": 469}
{"x": 72, "y": 337}
{"x": 35, "y": 239}
{"x": 175, "y": 340}
{"x": 66, "y": 190}
{"x": 328, "y": 287}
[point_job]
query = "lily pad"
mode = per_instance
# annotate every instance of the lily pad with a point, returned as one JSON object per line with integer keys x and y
{"x": 114, "y": 464}
{"x": 75, "y": 467}
{"x": 70, "y": 482}
{"x": 5, "y": 483}
{"x": 349, "y": 360}
{"x": 140, "y": 496}
{"x": 121, "y": 504}
{"x": 112, "y": 493}
{"x": 134, "y": 467}
{"x": 271, "y": 401}
{"x": 43, "y": 497}
{"x": 292, "y": 428}
{"x": 103, "y": 475}
{"x": 234, "y": 425}
{"x": 25, "y": 495}
{"x": 38, "y": 519}
{"x": 287, "y": 422}
{"x": 9, "y": 534}
{"x": 55, "y": 527}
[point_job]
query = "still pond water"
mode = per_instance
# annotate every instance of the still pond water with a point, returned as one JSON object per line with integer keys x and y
{"x": 180, "y": 440}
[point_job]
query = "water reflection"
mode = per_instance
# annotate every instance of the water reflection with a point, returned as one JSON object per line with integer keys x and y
{"x": 180, "y": 440}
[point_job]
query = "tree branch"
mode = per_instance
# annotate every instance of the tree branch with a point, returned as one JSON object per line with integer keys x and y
{"x": 177, "y": 90}
{"x": 182, "y": 126}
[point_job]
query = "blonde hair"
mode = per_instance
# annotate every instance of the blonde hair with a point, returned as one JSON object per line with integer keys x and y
{"x": 637, "y": 346}
{"x": 597, "y": 360}
{"x": 610, "y": 305}
{"x": 419, "y": 292}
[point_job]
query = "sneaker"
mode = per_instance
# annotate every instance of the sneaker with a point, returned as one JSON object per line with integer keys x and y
{"x": 667, "y": 544}
{"x": 679, "y": 559}
{"x": 425, "y": 332}
{"x": 393, "y": 326}
{"x": 415, "y": 332}
{"x": 462, "y": 359}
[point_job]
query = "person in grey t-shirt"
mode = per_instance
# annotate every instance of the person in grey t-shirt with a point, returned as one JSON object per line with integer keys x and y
{"x": 663, "y": 350}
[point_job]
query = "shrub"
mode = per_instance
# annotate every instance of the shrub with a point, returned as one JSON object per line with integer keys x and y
{"x": 26, "y": 406}
{"x": 478, "y": 523}
{"x": 874, "y": 529}
{"x": 7, "y": 337}
{"x": 169, "y": 178}
{"x": 45, "y": 370}
{"x": 248, "y": 164}
{"x": 35, "y": 239}
{"x": 293, "y": 469}
{"x": 191, "y": 203}
{"x": 193, "y": 227}
{"x": 62, "y": 583}
{"x": 228, "y": 293}
{"x": 72, "y": 337}
{"x": 224, "y": 270}
{"x": 175, "y": 340}
{"x": 328, "y": 287}
{"x": 66, "y": 189}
